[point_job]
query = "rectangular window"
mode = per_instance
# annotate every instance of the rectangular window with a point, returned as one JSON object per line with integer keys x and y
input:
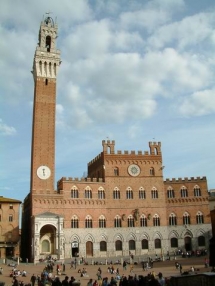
{"x": 102, "y": 223}
{"x": 116, "y": 195}
{"x": 88, "y": 223}
{"x": 197, "y": 192}
{"x": 74, "y": 194}
{"x": 117, "y": 223}
{"x": 74, "y": 223}
{"x": 11, "y": 207}
{"x": 130, "y": 222}
{"x": 184, "y": 193}
{"x": 170, "y": 194}
{"x": 129, "y": 195}
{"x": 10, "y": 218}
{"x": 154, "y": 194}
{"x": 142, "y": 194}
{"x": 143, "y": 221}
{"x": 101, "y": 195}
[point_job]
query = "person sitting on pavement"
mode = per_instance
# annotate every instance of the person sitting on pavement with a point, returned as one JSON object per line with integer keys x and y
{"x": 24, "y": 273}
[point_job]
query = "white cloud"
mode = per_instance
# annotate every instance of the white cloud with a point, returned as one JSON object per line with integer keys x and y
{"x": 188, "y": 32}
{"x": 149, "y": 19}
{"x": 27, "y": 15}
{"x": 112, "y": 86}
{"x": 60, "y": 118}
{"x": 6, "y": 130}
{"x": 199, "y": 103}
{"x": 88, "y": 40}
{"x": 154, "y": 14}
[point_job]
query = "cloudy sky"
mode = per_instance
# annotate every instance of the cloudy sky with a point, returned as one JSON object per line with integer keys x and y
{"x": 132, "y": 71}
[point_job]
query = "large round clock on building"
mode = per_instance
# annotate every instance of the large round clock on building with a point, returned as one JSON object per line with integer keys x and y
{"x": 134, "y": 170}
{"x": 43, "y": 172}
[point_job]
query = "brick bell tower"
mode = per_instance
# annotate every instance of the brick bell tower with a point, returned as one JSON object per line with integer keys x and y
{"x": 45, "y": 67}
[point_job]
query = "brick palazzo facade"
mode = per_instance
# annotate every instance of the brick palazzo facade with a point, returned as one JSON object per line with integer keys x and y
{"x": 9, "y": 227}
{"x": 123, "y": 206}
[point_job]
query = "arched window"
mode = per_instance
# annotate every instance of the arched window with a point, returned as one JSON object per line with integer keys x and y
{"x": 102, "y": 222}
{"x": 172, "y": 219}
{"x": 143, "y": 221}
{"x": 116, "y": 194}
{"x": 170, "y": 193}
{"x": 74, "y": 193}
{"x": 55, "y": 69}
{"x": 50, "y": 68}
{"x": 88, "y": 193}
{"x": 40, "y": 67}
{"x": 154, "y": 193}
{"x": 197, "y": 191}
{"x": 103, "y": 246}
{"x": 130, "y": 221}
{"x": 152, "y": 171}
{"x": 131, "y": 244}
{"x": 48, "y": 43}
{"x": 74, "y": 221}
{"x": 129, "y": 193}
{"x": 156, "y": 220}
{"x": 157, "y": 243}
{"x": 174, "y": 242}
{"x": 184, "y": 192}
{"x": 88, "y": 222}
{"x": 201, "y": 240}
{"x": 45, "y": 68}
{"x": 186, "y": 218}
{"x": 142, "y": 193}
{"x": 118, "y": 245}
{"x": 116, "y": 171}
{"x": 101, "y": 194}
{"x": 145, "y": 244}
{"x": 199, "y": 218}
{"x": 117, "y": 221}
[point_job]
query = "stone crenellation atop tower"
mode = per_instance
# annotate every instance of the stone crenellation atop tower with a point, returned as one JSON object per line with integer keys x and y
{"x": 155, "y": 148}
{"x": 108, "y": 146}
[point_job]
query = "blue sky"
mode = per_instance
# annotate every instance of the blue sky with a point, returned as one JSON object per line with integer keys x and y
{"x": 132, "y": 71}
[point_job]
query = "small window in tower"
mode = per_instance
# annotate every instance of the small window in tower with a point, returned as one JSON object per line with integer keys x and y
{"x": 46, "y": 81}
{"x": 48, "y": 43}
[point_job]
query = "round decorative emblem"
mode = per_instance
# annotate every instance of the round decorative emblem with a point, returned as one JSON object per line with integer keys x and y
{"x": 134, "y": 170}
{"x": 43, "y": 172}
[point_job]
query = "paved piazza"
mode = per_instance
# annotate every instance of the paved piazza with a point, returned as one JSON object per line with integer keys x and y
{"x": 166, "y": 267}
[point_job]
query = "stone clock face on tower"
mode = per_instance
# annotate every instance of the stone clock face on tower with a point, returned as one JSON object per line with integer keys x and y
{"x": 43, "y": 172}
{"x": 134, "y": 170}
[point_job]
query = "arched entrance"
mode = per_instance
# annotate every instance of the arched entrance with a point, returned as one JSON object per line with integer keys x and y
{"x": 187, "y": 243}
{"x": 75, "y": 249}
{"x": 89, "y": 248}
{"x": 48, "y": 240}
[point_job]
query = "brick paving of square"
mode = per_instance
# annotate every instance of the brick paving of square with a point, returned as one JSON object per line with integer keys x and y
{"x": 167, "y": 268}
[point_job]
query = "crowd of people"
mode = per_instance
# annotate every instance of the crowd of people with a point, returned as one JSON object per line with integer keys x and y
{"x": 54, "y": 274}
{"x": 48, "y": 277}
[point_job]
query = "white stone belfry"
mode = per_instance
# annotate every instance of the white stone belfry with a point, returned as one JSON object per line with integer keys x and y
{"x": 47, "y": 57}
